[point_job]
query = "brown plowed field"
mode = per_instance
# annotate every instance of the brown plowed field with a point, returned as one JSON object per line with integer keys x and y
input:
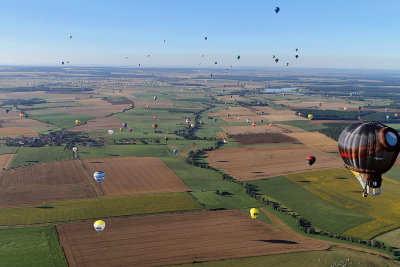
{"x": 260, "y": 129}
{"x": 176, "y": 239}
{"x": 72, "y": 179}
{"x": 102, "y": 123}
{"x": 251, "y": 163}
{"x": 255, "y": 139}
{"x": 44, "y": 182}
{"x": 129, "y": 176}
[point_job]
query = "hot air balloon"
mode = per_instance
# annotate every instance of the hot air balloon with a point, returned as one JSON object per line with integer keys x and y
{"x": 155, "y": 117}
{"x": 147, "y": 106}
{"x": 287, "y": 64}
{"x": 77, "y": 122}
{"x": 253, "y": 213}
{"x": 310, "y": 160}
{"x": 192, "y": 125}
{"x": 110, "y": 132}
{"x": 130, "y": 130}
{"x": 359, "y": 117}
{"x": 296, "y": 56}
{"x": 175, "y": 151}
{"x": 297, "y": 49}
{"x": 369, "y": 149}
{"x": 238, "y": 57}
{"x": 310, "y": 116}
{"x": 359, "y": 108}
{"x": 62, "y": 62}
{"x": 21, "y": 114}
{"x": 178, "y": 98}
{"x": 99, "y": 226}
{"x": 155, "y": 97}
{"x": 215, "y": 119}
{"x": 99, "y": 176}
{"x": 121, "y": 129}
{"x": 201, "y": 122}
{"x": 300, "y": 90}
{"x": 132, "y": 105}
{"x": 270, "y": 125}
{"x": 74, "y": 149}
{"x": 215, "y": 62}
{"x": 166, "y": 139}
{"x": 205, "y": 38}
{"x": 396, "y": 115}
{"x": 124, "y": 125}
{"x": 273, "y": 56}
{"x": 225, "y": 141}
{"x": 277, "y": 10}
{"x": 155, "y": 126}
{"x": 300, "y": 114}
{"x": 70, "y": 37}
{"x": 7, "y": 110}
{"x": 387, "y": 117}
{"x": 254, "y": 124}
{"x": 345, "y": 108}
{"x": 276, "y": 60}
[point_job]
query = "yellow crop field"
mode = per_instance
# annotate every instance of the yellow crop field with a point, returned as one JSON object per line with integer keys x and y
{"x": 341, "y": 187}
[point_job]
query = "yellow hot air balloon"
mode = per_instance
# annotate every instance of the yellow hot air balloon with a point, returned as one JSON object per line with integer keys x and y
{"x": 300, "y": 90}
{"x": 254, "y": 213}
{"x": 99, "y": 225}
{"x": 77, "y": 122}
{"x": 310, "y": 116}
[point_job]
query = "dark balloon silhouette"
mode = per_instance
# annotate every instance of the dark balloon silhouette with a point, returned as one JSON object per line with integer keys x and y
{"x": 369, "y": 149}
{"x": 311, "y": 160}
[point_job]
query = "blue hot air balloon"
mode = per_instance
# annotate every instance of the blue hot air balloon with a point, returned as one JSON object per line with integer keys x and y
{"x": 175, "y": 151}
{"x": 99, "y": 176}
{"x": 277, "y": 10}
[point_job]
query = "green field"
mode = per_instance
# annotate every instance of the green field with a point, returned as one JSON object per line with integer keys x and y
{"x": 59, "y": 119}
{"x": 8, "y": 149}
{"x": 305, "y": 125}
{"x": 340, "y": 187}
{"x": 391, "y": 238}
{"x": 323, "y": 214}
{"x": 34, "y": 246}
{"x": 70, "y": 210}
{"x": 205, "y": 182}
{"x": 331, "y": 257}
{"x": 27, "y": 156}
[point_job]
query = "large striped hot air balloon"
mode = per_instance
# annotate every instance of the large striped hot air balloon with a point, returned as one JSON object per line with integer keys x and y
{"x": 369, "y": 149}
{"x": 99, "y": 176}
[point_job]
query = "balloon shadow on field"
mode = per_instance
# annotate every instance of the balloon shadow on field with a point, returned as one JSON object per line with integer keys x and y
{"x": 44, "y": 207}
{"x": 222, "y": 161}
{"x": 341, "y": 178}
{"x": 304, "y": 181}
{"x": 257, "y": 172}
{"x": 96, "y": 162}
{"x": 278, "y": 241}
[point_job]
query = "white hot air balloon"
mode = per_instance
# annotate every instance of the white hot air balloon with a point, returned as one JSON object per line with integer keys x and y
{"x": 110, "y": 132}
{"x": 99, "y": 176}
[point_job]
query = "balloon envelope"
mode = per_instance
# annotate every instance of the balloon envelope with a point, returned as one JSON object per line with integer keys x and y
{"x": 175, "y": 151}
{"x": 310, "y": 160}
{"x": 110, "y": 132}
{"x": 99, "y": 226}
{"x": 253, "y": 213}
{"x": 310, "y": 116}
{"x": 99, "y": 176}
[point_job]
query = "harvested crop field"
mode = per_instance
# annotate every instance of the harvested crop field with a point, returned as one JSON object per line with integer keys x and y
{"x": 176, "y": 239}
{"x": 5, "y": 159}
{"x": 98, "y": 111}
{"x": 260, "y": 129}
{"x": 102, "y": 123}
{"x": 252, "y": 163}
{"x": 316, "y": 140}
{"x": 255, "y": 139}
{"x": 44, "y": 182}
{"x": 235, "y": 111}
{"x": 17, "y": 131}
{"x": 154, "y": 104}
{"x": 315, "y": 104}
{"x": 134, "y": 175}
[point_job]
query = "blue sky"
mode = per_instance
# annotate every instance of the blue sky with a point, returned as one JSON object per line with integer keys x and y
{"x": 338, "y": 34}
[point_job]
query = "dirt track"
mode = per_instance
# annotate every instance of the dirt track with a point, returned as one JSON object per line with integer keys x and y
{"x": 130, "y": 176}
{"x": 251, "y": 163}
{"x": 176, "y": 239}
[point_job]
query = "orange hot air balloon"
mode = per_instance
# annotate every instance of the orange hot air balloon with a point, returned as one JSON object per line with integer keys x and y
{"x": 396, "y": 115}
{"x": 21, "y": 114}
{"x": 155, "y": 126}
